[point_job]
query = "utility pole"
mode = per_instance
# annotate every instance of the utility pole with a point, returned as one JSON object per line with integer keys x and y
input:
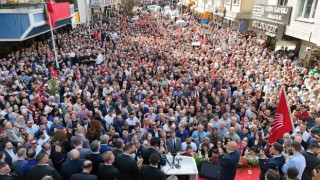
{"x": 89, "y": 18}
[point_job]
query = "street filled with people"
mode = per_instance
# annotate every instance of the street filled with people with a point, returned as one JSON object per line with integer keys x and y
{"x": 128, "y": 92}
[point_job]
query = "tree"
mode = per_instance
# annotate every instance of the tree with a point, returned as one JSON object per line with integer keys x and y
{"x": 127, "y": 6}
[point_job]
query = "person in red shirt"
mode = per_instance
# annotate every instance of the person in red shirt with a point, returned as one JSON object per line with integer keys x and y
{"x": 302, "y": 114}
{"x": 188, "y": 152}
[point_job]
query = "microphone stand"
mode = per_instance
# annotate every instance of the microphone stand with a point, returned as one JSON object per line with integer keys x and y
{"x": 178, "y": 165}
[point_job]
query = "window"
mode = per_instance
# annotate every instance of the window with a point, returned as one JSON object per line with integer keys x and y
{"x": 236, "y": 2}
{"x": 227, "y": 2}
{"x": 282, "y": 2}
{"x": 308, "y": 9}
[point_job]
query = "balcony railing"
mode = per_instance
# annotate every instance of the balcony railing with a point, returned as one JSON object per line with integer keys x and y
{"x": 21, "y": 4}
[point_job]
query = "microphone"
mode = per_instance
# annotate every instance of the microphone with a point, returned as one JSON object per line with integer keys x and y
{"x": 165, "y": 158}
{"x": 174, "y": 157}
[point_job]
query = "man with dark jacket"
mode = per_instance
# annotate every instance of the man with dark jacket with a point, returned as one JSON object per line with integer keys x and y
{"x": 152, "y": 170}
{"x": 73, "y": 166}
{"x": 118, "y": 147}
{"x": 146, "y": 153}
{"x": 5, "y": 172}
{"x": 106, "y": 171}
{"x": 85, "y": 174}
{"x": 95, "y": 157}
{"x": 17, "y": 165}
{"x": 275, "y": 162}
{"x": 126, "y": 165}
{"x": 313, "y": 162}
{"x": 42, "y": 169}
{"x": 229, "y": 161}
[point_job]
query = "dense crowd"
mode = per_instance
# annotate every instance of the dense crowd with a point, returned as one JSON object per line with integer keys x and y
{"x": 126, "y": 89}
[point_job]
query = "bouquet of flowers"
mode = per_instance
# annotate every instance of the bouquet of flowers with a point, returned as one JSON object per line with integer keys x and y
{"x": 248, "y": 162}
{"x": 199, "y": 158}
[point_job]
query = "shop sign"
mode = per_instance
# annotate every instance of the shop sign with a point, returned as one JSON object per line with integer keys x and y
{"x": 267, "y": 28}
{"x": 95, "y": 2}
{"x": 274, "y": 13}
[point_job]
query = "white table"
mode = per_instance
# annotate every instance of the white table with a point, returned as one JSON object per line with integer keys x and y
{"x": 188, "y": 167}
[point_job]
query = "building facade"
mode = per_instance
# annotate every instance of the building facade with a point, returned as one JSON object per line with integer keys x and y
{"x": 304, "y": 24}
{"x": 237, "y": 13}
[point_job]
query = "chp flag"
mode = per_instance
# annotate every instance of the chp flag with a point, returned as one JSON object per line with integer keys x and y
{"x": 57, "y": 11}
{"x": 282, "y": 120}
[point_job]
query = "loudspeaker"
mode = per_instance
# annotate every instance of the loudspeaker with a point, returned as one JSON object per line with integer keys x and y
{"x": 210, "y": 171}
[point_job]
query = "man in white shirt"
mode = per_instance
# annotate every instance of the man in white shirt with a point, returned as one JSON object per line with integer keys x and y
{"x": 43, "y": 138}
{"x": 132, "y": 120}
{"x": 188, "y": 142}
{"x": 100, "y": 58}
{"x": 109, "y": 117}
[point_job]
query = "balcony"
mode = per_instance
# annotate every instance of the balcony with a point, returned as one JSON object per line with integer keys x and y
{"x": 23, "y": 21}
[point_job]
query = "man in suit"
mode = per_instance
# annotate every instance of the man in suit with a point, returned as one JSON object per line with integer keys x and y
{"x": 31, "y": 154}
{"x": 73, "y": 166}
{"x": 10, "y": 152}
{"x": 275, "y": 162}
{"x": 104, "y": 139}
{"x": 118, "y": 147}
{"x": 85, "y": 174}
{"x": 95, "y": 157}
{"x": 229, "y": 161}
{"x": 126, "y": 165}
{"x": 106, "y": 171}
{"x": 312, "y": 160}
{"x": 5, "y": 172}
{"x": 138, "y": 151}
{"x": 42, "y": 169}
{"x": 17, "y": 165}
{"x": 146, "y": 153}
{"x": 13, "y": 134}
{"x": 152, "y": 170}
{"x": 173, "y": 143}
{"x": 80, "y": 134}
{"x": 78, "y": 145}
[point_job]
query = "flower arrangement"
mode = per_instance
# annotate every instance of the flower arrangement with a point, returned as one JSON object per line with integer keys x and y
{"x": 199, "y": 158}
{"x": 248, "y": 162}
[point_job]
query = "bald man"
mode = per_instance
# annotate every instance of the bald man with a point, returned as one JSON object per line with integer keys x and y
{"x": 73, "y": 166}
{"x": 229, "y": 161}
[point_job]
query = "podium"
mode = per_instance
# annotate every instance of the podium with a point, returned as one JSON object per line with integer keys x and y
{"x": 188, "y": 167}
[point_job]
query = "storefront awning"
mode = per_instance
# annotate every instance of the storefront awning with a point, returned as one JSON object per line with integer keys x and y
{"x": 285, "y": 45}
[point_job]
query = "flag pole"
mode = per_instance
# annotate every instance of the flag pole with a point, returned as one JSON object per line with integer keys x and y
{"x": 52, "y": 38}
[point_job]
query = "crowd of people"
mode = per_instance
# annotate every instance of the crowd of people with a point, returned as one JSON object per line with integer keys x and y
{"x": 126, "y": 91}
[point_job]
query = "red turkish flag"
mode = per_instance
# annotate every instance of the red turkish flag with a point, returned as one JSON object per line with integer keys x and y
{"x": 57, "y": 11}
{"x": 282, "y": 120}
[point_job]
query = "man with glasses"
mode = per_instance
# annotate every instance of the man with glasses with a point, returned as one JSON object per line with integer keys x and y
{"x": 31, "y": 128}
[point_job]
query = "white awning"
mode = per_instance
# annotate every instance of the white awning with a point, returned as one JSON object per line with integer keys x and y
{"x": 199, "y": 9}
{"x": 284, "y": 45}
